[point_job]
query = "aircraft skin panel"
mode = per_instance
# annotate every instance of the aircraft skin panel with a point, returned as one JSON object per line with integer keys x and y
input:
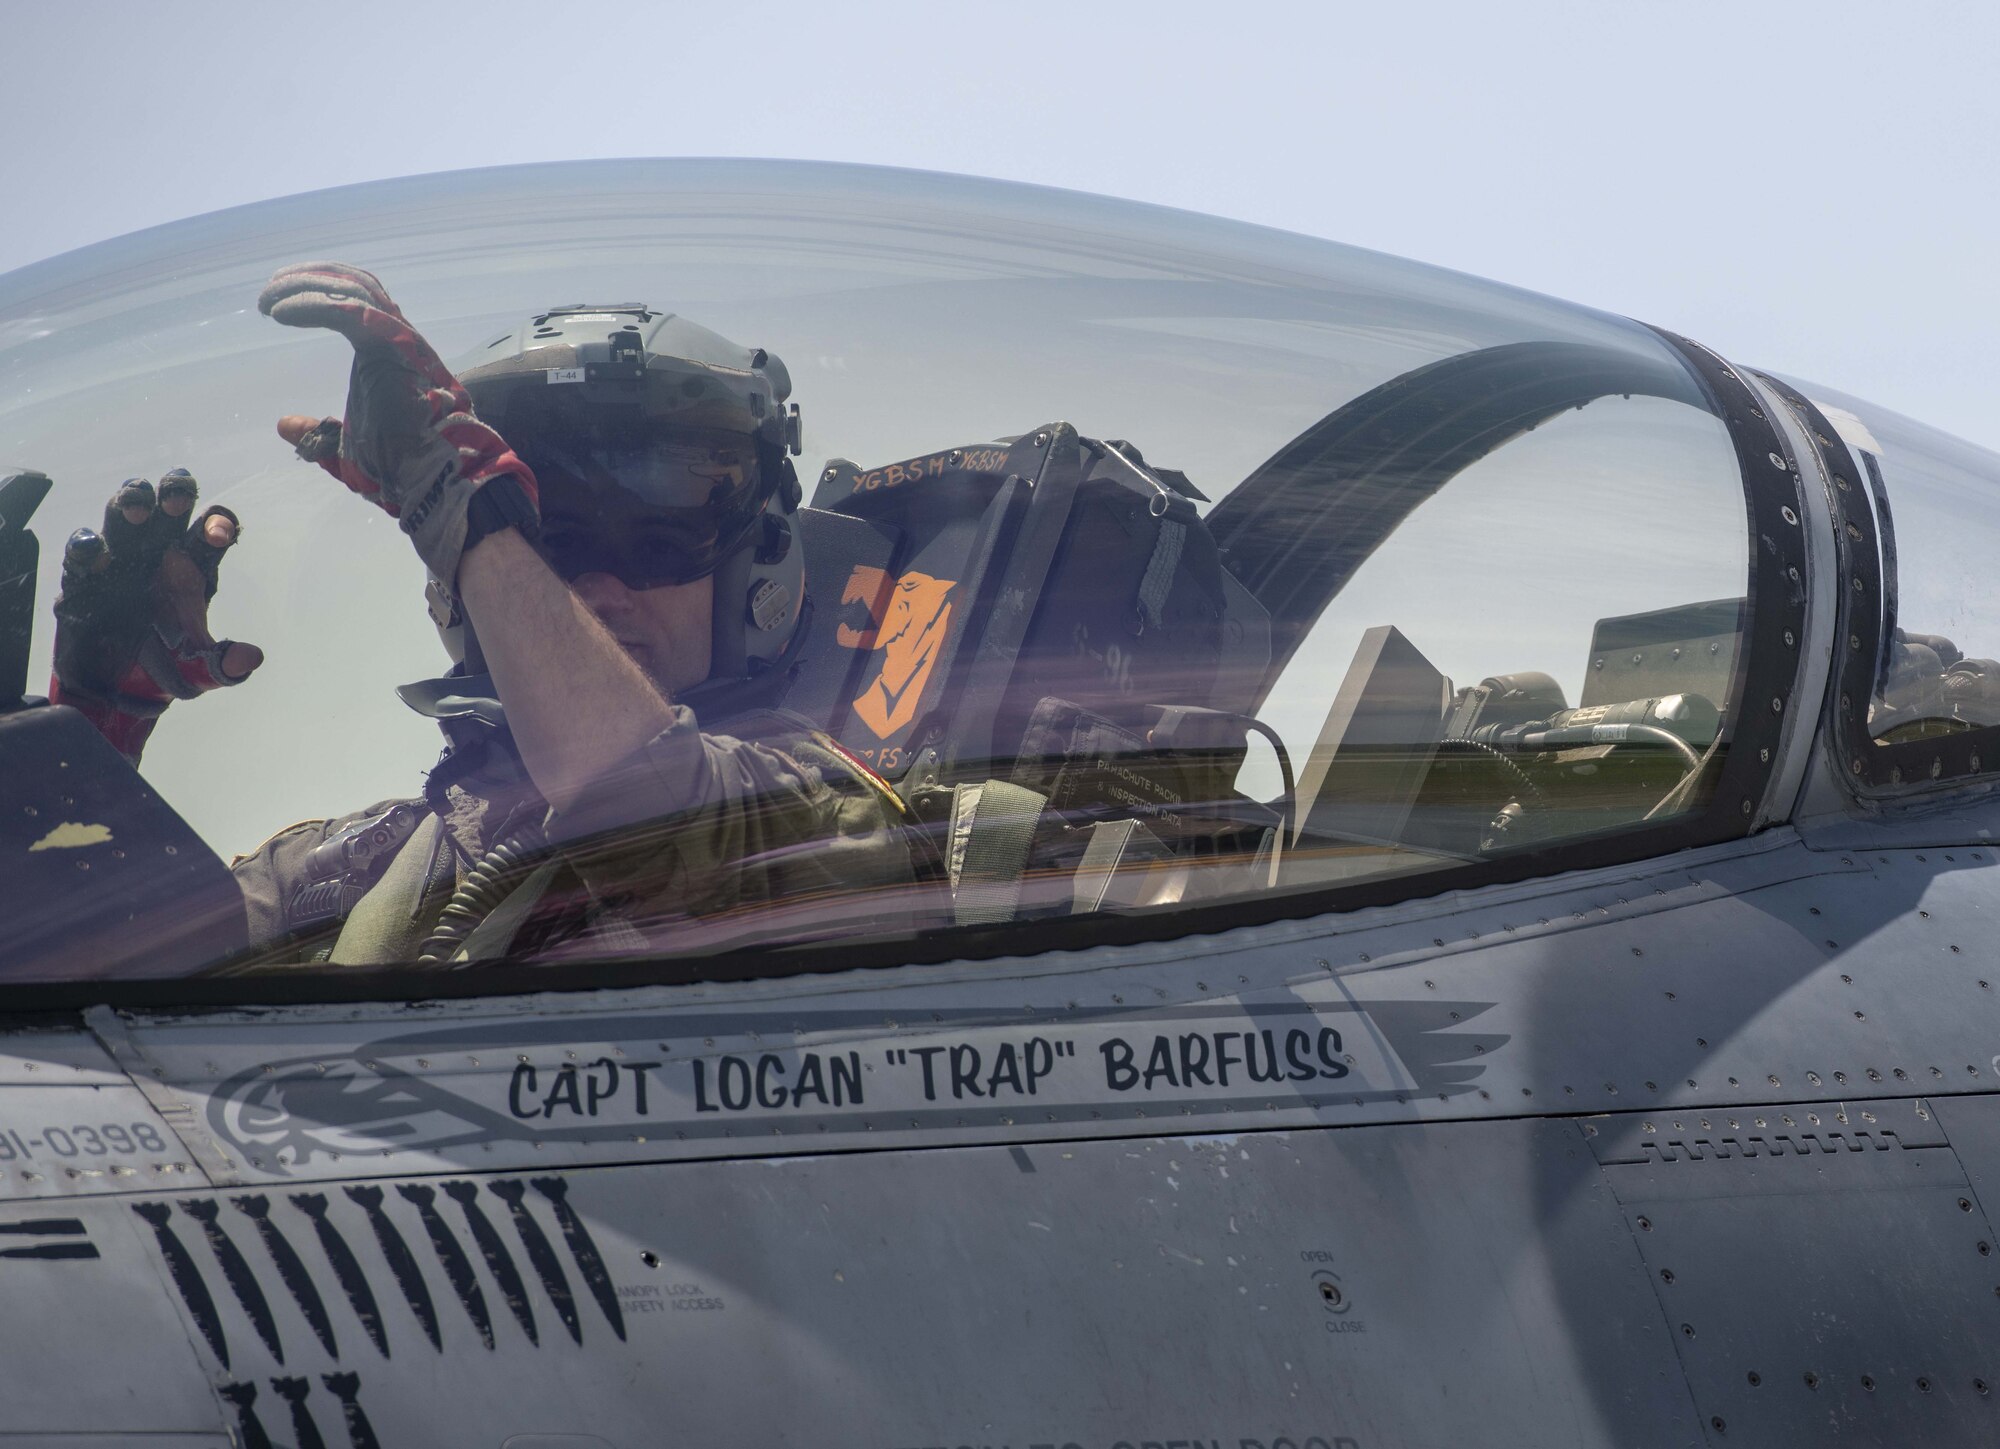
{"x": 146, "y": 1440}
{"x": 1817, "y": 1264}
{"x": 378, "y": 1191}
{"x": 1974, "y": 1125}
{"x": 59, "y": 1140}
{"x": 43, "y": 1057}
{"x": 1619, "y": 1280}
{"x": 1268, "y": 1287}
{"x": 400, "y": 1185}
{"x": 1763, "y": 971}
{"x": 75, "y": 1124}
{"x": 94, "y": 1341}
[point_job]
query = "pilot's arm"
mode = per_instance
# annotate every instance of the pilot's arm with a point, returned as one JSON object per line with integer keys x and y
{"x": 576, "y": 703}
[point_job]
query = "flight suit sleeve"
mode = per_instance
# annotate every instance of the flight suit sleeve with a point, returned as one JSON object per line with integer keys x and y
{"x": 697, "y": 823}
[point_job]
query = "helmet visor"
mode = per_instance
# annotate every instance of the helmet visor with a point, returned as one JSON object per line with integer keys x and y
{"x": 647, "y": 510}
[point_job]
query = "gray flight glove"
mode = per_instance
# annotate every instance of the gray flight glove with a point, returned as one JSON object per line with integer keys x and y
{"x": 409, "y": 442}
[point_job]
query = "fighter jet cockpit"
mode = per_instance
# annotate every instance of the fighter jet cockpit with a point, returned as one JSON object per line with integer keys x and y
{"x": 691, "y": 569}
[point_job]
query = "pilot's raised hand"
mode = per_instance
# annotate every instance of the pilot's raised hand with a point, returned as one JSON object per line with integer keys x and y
{"x": 132, "y": 631}
{"x": 409, "y": 441}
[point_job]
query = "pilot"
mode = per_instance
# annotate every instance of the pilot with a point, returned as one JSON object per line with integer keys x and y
{"x": 623, "y": 557}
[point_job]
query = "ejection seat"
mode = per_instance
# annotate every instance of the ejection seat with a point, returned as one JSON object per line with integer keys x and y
{"x": 1035, "y": 642}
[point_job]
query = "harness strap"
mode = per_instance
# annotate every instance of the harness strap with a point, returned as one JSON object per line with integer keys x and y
{"x": 992, "y": 826}
{"x": 1158, "y": 582}
{"x": 390, "y": 921}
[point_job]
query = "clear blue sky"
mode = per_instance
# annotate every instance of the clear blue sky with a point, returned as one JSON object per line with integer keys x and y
{"x": 1805, "y": 186}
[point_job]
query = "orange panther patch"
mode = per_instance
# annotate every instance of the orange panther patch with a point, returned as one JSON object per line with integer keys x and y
{"x": 911, "y": 620}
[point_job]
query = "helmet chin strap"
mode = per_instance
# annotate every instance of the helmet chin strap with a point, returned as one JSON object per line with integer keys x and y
{"x": 470, "y": 656}
{"x": 757, "y": 617}
{"x": 728, "y": 658}
{"x": 720, "y": 696}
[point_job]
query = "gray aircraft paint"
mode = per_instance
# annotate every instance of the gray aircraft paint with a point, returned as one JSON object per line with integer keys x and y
{"x": 1575, "y": 995}
{"x": 1703, "y": 1149}
{"x": 1121, "y": 1278}
{"x": 1075, "y": 1281}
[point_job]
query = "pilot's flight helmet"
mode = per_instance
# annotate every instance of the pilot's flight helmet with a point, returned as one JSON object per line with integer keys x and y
{"x": 663, "y": 453}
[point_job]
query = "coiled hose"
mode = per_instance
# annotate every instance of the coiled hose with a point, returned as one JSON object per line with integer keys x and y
{"x": 1521, "y": 776}
{"x": 493, "y": 878}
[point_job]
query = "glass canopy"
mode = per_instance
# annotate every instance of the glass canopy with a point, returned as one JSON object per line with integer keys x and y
{"x": 1144, "y": 562}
